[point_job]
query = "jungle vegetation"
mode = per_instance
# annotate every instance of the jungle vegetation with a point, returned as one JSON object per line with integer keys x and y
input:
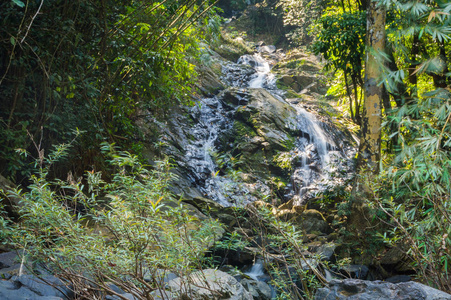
{"x": 95, "y": 66}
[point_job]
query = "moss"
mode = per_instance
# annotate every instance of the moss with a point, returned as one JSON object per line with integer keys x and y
{"x": 289, "y": 142}
{"x": 242, "y": 130}
{"x": 232, "y": 48}
{"x": 291, "y": 64}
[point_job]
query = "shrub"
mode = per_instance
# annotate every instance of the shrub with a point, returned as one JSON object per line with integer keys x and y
{"x": 129, "y": 232}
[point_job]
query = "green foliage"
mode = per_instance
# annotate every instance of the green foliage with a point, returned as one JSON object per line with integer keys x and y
{"x": 128, "y": 231}
{"x": 300, "y": 16}
{"x": 93, "y": 65}
{"x": 283, "y": 160}
{"x": 419, "y": 175}
{"x": 293, "y": 274}
{"x": 341, "y": 41}
{"x": 231, "y": 242}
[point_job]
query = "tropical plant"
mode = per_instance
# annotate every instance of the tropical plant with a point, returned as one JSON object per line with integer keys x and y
{"x": 95, "y": 235}
{"x": 418, "y": 171}
{"x": 341, "y": 41}
{"x": 93, "y": 65}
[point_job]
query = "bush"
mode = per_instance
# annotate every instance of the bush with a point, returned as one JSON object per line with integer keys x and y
{"x": 414, "y": 190}
{"x": 129, "y": 232}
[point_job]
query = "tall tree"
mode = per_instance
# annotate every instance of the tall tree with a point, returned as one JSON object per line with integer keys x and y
{"x": 370, "y": 142}
{"x": 370, "y": 145}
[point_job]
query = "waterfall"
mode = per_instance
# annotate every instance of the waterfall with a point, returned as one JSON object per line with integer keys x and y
{"x": 314, "y": 154}
{"x": 262, "y": 78}
{"x": 199, "y": 152}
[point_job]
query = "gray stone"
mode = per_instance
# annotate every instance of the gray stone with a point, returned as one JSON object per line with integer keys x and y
{"x": 355, "y": 289}
{"x": 44, "y": 286}
{"x": 267, "y": 49}
{"x": 326, "y": 251}
{"x": 162, "y": 295}
{"x": 209, "y": 284}
{"x": 312, "y": 221}
{"x": 11, "y": 264}
{"x": 12, "y": 290}
{"x": 355, "y": 271}
{"x": 399, "y": 278}
{"x": 258, "y": 289}
{"x": 125, "y": 295}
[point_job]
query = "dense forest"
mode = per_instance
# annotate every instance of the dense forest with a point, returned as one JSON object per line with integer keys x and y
{"x": 231, "y": 149}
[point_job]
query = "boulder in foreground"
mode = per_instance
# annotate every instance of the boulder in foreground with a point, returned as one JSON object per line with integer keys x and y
{"x": 355, "y": 289}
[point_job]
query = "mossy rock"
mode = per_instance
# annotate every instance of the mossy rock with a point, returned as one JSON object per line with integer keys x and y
{"x": 209, "y": 79}
{"x": 312, "y": 221}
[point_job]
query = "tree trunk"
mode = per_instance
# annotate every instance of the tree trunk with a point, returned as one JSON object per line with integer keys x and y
{"x": 370, "y": 145}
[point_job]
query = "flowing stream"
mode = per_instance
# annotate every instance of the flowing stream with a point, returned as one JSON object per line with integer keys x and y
{"x": 315, "y": 152}
{"x": 256, "y": 271}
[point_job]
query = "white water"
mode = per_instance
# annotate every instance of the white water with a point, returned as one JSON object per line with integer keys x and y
{"x": 262, "y": 77}
{"x": 256, "y": 270}
{"x": 314, "y": 156}
{"x": 315, "y": 152}
{"x": 211, "y": 122}
{"x": 328, "y": 275}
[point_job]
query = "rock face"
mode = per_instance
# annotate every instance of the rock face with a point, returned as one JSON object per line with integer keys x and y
{"x": 247, "y": 141}
{"x": 29, "y": 287}
{"x": 301, "y": 73}
{"x": 258, "y": 289}
{"x": 208, "y": 284}
{"x": 354, "y": 289}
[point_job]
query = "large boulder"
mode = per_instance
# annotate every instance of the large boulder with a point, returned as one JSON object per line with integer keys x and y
{"x": 208, "y": 284}
{"x": 355, "y": 289}
{"x": 259, "y": 289}
{"x": 30, "y": 287}
{"x": 271, "y": 119}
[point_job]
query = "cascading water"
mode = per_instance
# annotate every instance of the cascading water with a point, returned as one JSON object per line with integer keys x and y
{"x": 211, "y": 121}
{"x": 314, "y": 156}
{"x": 256, "y": 271}
{"x": 315, "y": 149}
{"x": 262, "y": 77}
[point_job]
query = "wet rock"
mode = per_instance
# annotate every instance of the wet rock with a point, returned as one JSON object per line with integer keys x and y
{"x": 235, "y": 97}
{"x": 267, "y": 49}
{"x": 162, "y": 295}
{"x": 395, "y": 259}
{"x": 127, "y": 296}
{"x": 209, "y": 80}
{"x": 252, "y": 126}
{"x": 258, "y": 289}
{"x": 355, "y": 289}
{"x": 9, "y": 264}
{"x": 209, "y": 284}
{"x": 269, "y": 117}
{"x": 232, "y": 52}
{"x": 326, "y": 251}
{"x": 47, "y": 285}
{"x": 11, "y": 291}
{"x": 399, "y": 278}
